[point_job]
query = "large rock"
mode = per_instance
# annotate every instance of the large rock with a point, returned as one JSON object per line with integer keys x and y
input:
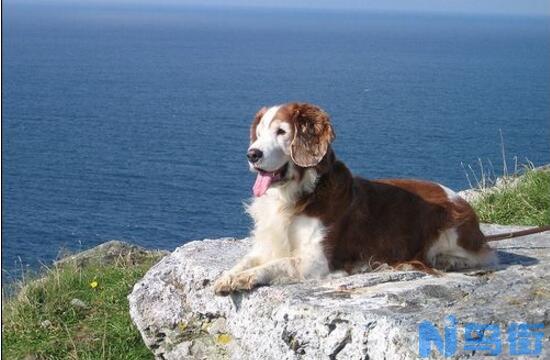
{"x": 365, "y": 316}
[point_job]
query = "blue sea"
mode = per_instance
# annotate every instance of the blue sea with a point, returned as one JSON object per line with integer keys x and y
{"x": 131, "y": 122}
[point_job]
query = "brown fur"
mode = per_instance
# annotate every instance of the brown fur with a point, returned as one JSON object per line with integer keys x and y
{"x": 312, "y": 135}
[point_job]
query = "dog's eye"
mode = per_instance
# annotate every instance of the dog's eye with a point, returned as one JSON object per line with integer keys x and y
{"x": 280, "y": 131}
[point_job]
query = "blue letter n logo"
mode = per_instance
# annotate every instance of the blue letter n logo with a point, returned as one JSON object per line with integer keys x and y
{"x": 428, "y": 335}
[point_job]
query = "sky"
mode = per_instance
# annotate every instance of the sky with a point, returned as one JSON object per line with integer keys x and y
{"x": 509, "y": 7}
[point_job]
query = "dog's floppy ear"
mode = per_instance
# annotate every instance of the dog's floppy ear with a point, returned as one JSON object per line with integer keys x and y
{"x": 312, "y": 135}
{"x": 255, "y": 123}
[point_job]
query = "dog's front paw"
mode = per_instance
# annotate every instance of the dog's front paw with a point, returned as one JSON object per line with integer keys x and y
{"x": 246, "y": 280}
{"x": 228, "y": 283}
{"x": 222, "y": 286}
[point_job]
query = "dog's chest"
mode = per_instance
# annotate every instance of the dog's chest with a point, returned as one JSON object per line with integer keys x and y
{"x": 306, "y": 233}
{"x": 280, "y": 229}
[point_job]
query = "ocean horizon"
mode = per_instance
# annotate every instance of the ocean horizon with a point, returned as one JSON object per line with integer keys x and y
{"x": 132, "y": 123}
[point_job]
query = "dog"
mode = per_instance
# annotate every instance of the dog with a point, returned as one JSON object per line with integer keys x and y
{"x": 312, "y": 217}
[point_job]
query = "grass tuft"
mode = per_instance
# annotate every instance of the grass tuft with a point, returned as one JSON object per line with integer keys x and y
{"x": 45, "y": 320}
{"x": 525, "y": 201}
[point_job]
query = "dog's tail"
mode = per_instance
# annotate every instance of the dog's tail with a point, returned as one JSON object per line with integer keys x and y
{"x": 513, "y": 234}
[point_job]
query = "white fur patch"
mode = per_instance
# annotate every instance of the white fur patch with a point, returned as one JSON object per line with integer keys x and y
{"x": 266, "y": 120}
{"x": 270, "y": 114}
{"x": 279, "y": 233}
{"x": 306, "y": 235}
{"x": 274, "y": 147}
{"x": 451, "y": 195}
{"x": 447, "y": 254}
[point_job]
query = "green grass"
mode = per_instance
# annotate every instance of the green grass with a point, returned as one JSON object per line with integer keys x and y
{"x": 40, "y": 323}
{"x": 525, "y": 203}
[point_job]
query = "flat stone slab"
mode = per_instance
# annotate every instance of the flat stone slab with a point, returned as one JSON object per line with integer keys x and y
{"x": 372, "y": 315}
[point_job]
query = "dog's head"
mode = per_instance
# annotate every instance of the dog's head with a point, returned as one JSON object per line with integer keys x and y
{"x": 286, "y": 137}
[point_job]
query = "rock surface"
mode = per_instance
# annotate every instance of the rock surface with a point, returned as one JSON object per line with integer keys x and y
{"x": 364, "y": 316}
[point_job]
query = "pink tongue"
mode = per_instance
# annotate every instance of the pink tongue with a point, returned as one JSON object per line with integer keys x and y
{"x": 262, "y": 184}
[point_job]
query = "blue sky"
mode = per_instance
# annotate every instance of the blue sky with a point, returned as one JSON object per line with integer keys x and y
{"x": 518, "y": 7}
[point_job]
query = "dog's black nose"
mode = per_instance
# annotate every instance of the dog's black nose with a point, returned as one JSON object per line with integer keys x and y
{"x": 254, "y": 155}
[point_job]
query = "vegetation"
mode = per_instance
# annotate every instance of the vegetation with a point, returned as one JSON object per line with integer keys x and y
{"x": 522, "y": 201}
{"x": 75, "y": 312}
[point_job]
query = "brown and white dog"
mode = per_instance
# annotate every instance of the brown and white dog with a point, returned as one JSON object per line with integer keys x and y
{"x": 313, "y": 217}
